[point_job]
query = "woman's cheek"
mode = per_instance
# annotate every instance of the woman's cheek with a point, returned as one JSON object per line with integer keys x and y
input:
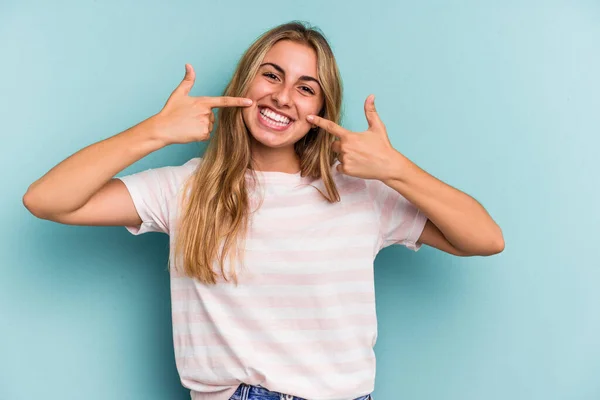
{"x": 311, "y": 108}
{"x": 315, "y": 107}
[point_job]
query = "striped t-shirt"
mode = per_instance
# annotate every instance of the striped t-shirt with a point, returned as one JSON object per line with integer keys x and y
{"x": 302, "y": 318}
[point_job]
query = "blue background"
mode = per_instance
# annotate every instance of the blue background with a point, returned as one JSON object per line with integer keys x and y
{"x": 499, "y": 99}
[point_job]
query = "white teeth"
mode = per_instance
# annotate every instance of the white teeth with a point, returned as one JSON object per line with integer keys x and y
{"x": 274, "y": 116}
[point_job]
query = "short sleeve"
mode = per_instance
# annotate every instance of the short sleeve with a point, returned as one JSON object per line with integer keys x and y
{"x": 155, "y": 195}
{"x": 400, "y": 222}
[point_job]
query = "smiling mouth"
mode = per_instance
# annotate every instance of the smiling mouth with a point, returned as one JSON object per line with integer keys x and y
{"x": 273, "y": 119}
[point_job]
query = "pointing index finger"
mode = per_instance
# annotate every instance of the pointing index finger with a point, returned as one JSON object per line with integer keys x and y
{"x": 228, "y": 101}
{"x": 328, "y": 125}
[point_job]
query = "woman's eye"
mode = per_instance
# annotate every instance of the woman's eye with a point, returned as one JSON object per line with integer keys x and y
{"x": 307, "y": 89}
{"x": 270, "y": 75}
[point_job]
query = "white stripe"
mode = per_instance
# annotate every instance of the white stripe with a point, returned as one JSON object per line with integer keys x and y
{"x": 308, "y": 243}
{"x": 230, "y": 290}
{"x": 202, "y": 352}
{"x": 200, "y": 329}
{"x": 283, "y": 313}
{"x": 311, "y": 267}
{"x": 324, "y": 208}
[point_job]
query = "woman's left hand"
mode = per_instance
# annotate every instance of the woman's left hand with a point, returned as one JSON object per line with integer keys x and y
{"x": 368, "y": 154}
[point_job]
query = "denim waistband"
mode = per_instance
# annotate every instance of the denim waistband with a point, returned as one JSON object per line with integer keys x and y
{"x": 249, "y": 392}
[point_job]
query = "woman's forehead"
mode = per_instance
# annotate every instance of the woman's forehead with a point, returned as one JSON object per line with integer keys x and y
{"x": 294, "y": 58}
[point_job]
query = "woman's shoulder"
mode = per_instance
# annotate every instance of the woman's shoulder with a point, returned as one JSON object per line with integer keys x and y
{"x": 345, "y": 184}
{"x": 178, "y": 175}
{"x": 183, "y": 171}
{"x": 191, "y": 164}
{"x": 166, "y": 178}
{"x": 375, "y": 188}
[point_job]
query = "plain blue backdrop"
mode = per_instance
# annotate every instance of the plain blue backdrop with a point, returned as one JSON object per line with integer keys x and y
{"x": 499, "y": 99}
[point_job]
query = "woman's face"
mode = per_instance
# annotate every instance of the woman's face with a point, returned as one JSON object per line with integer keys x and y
{"x": 285, "y": 90}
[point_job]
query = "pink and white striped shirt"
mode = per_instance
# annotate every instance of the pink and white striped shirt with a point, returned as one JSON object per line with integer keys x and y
{"x": 302, "y": 319}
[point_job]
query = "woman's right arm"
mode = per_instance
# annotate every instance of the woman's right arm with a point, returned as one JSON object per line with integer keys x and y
{"x": 81, "y": 189}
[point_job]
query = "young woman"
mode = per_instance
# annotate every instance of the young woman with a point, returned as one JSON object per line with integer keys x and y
{"x": 274, "y": 231}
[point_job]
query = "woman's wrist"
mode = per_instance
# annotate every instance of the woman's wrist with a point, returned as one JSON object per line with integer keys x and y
{"x": 154, "y": 133}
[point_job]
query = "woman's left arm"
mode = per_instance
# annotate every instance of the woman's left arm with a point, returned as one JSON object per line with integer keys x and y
{"x": 457, "y": 223}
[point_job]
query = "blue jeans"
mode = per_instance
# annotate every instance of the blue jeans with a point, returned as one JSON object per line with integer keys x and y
{"x": 247, "y": 392}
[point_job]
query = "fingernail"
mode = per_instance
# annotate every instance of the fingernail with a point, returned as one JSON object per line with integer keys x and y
{"x": 310, "y": 118}
{"x": 248, "y": 102}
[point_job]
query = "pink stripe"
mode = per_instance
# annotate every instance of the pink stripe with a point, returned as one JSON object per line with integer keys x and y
{"x": 305, "y": 255}
{"x": 274, "y": 279}
{"x": 261, "y": 301}
{"x": 213, "y": 339}
{"x": 346, "y": 189}
{"x": 329, "y": 213}
{"x": 261, "y": 325}
{"x": 359, "y": 227}
{"x": 387, "y": 212}
{"x": 225, "y": 364}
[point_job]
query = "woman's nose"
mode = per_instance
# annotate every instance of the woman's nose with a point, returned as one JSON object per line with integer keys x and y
{"x": 282, "y": 96}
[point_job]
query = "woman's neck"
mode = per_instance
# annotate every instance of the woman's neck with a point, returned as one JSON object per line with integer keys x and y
{"x": 275, "y": 160}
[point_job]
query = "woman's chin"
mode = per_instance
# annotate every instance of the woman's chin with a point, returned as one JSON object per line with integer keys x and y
{"x": 271, "y": 141}
{"x": 271, "y": 138}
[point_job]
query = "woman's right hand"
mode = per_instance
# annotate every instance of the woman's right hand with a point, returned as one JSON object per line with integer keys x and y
{"x": 186, "y": 119}
{"x": 82, "y": 190}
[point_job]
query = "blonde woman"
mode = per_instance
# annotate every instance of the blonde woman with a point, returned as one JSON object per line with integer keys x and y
{"x": 274, "y": 231}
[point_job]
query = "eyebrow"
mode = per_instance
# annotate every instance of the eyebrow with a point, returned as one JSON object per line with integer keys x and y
{"x": 281, "y": 71}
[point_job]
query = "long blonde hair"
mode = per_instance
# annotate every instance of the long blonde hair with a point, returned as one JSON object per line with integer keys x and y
{"x": 215, "y": 205}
